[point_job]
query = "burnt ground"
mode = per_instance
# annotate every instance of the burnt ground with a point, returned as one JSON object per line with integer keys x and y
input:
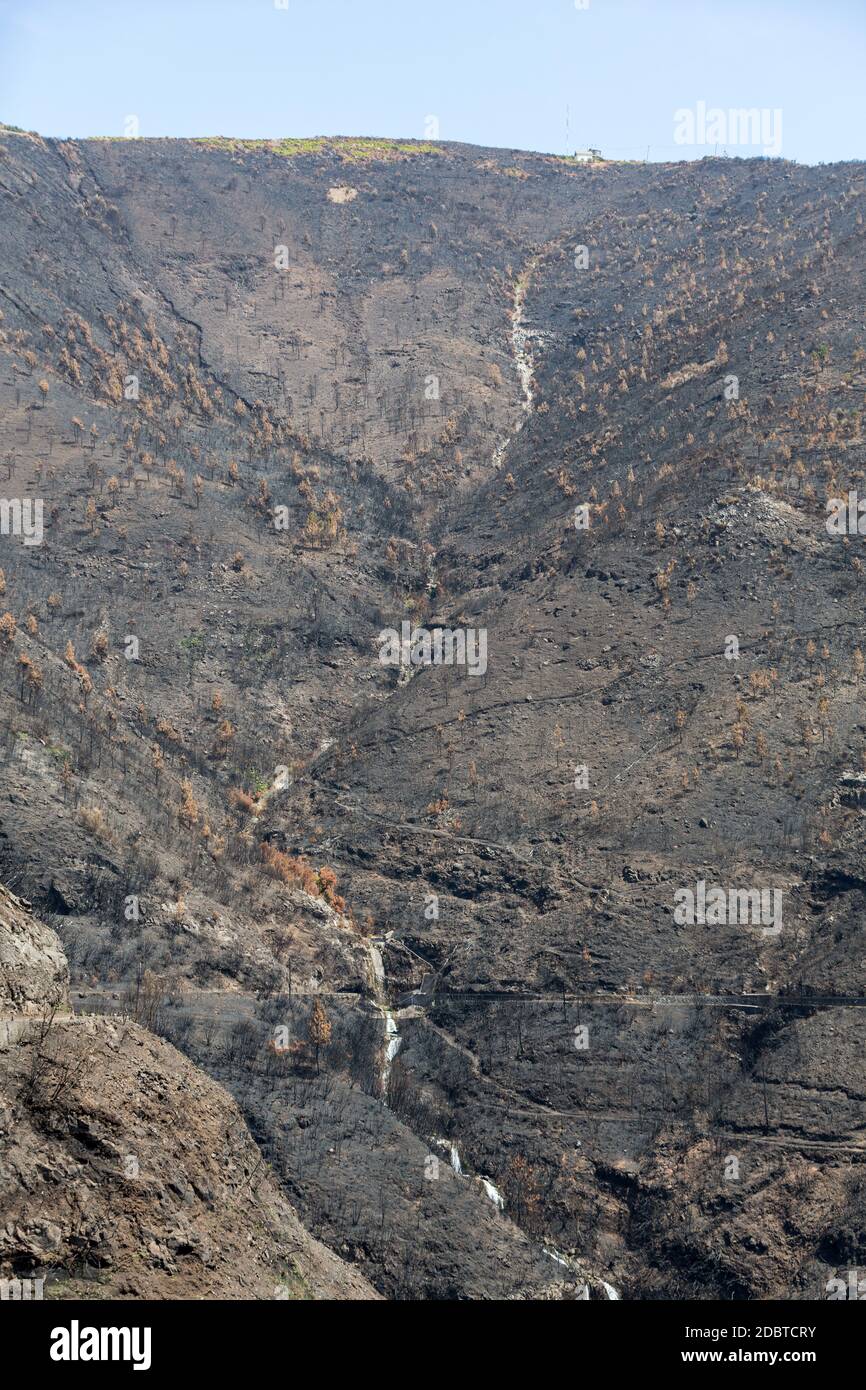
{"x": 699, "y": 387}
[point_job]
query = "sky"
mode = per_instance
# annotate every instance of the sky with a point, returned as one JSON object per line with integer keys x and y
{"x": 548, "y": 75}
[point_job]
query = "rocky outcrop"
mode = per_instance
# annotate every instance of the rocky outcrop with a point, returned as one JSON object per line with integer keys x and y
{"x": 33, "y": 970}
{"x": 126, "y": 1172}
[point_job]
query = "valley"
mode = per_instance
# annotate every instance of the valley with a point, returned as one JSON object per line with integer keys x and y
{"x": 432, "y": 980}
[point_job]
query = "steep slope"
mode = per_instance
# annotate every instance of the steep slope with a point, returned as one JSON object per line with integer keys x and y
{"x": 124, "y": 1171}
{"x": 369, "y": 437}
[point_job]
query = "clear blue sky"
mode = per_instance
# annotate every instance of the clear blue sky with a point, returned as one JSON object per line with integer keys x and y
{"x": 494, "y": 72}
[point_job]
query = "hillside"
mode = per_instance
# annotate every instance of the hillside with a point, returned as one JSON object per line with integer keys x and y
{"x": 126, "y": 1173}
{"x": 278, "y": 397}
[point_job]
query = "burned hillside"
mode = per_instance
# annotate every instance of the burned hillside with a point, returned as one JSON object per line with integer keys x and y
{"x": 264, "y": 401}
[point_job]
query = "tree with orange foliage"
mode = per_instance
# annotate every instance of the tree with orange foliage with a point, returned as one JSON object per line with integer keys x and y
{"x": 319, "y": 1029}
